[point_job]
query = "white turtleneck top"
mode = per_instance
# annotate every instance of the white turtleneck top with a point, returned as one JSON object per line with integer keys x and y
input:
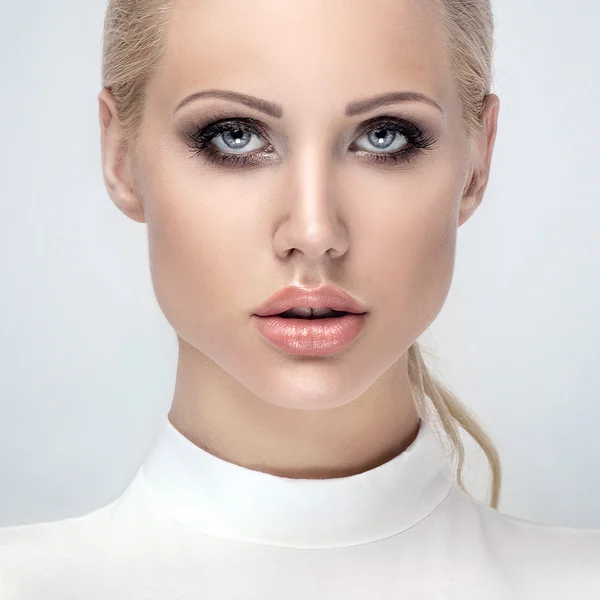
{"x": 191, "y": 526}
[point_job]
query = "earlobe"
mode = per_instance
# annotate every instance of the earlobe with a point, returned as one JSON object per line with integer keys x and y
{"x": 469, "y": 200}
{"x": 116, "y": 166}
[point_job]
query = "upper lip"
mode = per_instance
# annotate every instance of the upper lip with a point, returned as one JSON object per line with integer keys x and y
{"x": 326, "y": 296}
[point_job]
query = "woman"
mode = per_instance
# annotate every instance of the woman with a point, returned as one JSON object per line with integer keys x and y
{"x": 299, "y": 162}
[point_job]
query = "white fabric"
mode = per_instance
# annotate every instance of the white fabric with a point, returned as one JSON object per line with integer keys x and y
{"x": 191, "y": 526}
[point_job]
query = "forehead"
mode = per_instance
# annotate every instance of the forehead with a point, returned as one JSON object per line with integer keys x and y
{"x": 299, "y": 52}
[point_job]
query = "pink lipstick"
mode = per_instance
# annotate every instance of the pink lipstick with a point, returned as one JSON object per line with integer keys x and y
{"x": 311, "y": 322}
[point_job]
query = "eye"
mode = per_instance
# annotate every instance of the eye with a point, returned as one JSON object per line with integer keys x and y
{"x": 230, "y": 142}
{"x": 386, "y": 138}
{"x": 394, "y": 140}
{"x": 235, "y": 137}
{"x": 234, "y": 141}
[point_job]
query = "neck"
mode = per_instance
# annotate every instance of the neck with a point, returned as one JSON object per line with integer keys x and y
{"x": 343, "y": 437}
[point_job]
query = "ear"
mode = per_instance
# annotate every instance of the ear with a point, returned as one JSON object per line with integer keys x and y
{"x": 116, "y": 161}
{"x": 483, "y": 147}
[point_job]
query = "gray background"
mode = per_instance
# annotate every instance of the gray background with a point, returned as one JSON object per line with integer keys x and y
{"x": 88, "y": 361}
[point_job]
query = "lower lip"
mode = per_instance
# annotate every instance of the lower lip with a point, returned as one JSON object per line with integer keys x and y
{"x": 311, "y": 337}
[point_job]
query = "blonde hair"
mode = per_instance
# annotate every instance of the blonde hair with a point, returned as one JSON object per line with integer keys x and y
{"x": 133, "y": 44}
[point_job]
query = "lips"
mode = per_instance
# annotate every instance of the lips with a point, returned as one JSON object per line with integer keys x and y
{"x": 326, "y": 296}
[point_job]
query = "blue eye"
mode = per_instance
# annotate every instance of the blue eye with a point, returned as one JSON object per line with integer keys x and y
{"x": 234, "y": 137}
{"x": 386, "y": 137}
{"x": 406, "y": 140}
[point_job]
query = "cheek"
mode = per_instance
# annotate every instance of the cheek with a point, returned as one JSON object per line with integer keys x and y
{"x": 199, "y": 235}
{"x": 409, "y": 268}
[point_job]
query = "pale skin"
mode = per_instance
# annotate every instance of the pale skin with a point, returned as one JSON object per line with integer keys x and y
{"x": 224, "y": 238}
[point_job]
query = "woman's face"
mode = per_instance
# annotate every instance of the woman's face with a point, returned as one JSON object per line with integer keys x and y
{"x": 314, "y": 202}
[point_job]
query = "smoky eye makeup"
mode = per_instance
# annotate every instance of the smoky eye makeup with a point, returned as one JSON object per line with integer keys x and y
{"x": 243, "y": 142}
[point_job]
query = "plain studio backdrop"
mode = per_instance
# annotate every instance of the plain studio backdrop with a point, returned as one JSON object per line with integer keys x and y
{"x": 88, "y": 360}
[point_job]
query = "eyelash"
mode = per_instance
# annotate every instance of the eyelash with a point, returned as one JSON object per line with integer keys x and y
{"x": 418, "y": 141}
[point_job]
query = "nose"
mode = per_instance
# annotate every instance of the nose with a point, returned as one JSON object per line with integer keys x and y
{"x": 313, "y": 222}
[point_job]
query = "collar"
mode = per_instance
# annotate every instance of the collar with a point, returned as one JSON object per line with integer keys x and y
{"x": 221, "y": 499}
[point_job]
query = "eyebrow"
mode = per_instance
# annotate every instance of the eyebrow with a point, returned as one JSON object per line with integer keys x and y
{"x": 276, "y": 110}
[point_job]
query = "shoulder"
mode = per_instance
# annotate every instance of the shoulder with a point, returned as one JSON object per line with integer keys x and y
{"x": 31, "y": 537}
{"x": 31, "y": 555}
{"x": 92, "y": 527}
{"x": 537, "y": 556}
{"x": 35, "y": 556}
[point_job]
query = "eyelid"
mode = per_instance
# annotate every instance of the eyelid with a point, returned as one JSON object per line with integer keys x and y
{"x": 233, "y": 114}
